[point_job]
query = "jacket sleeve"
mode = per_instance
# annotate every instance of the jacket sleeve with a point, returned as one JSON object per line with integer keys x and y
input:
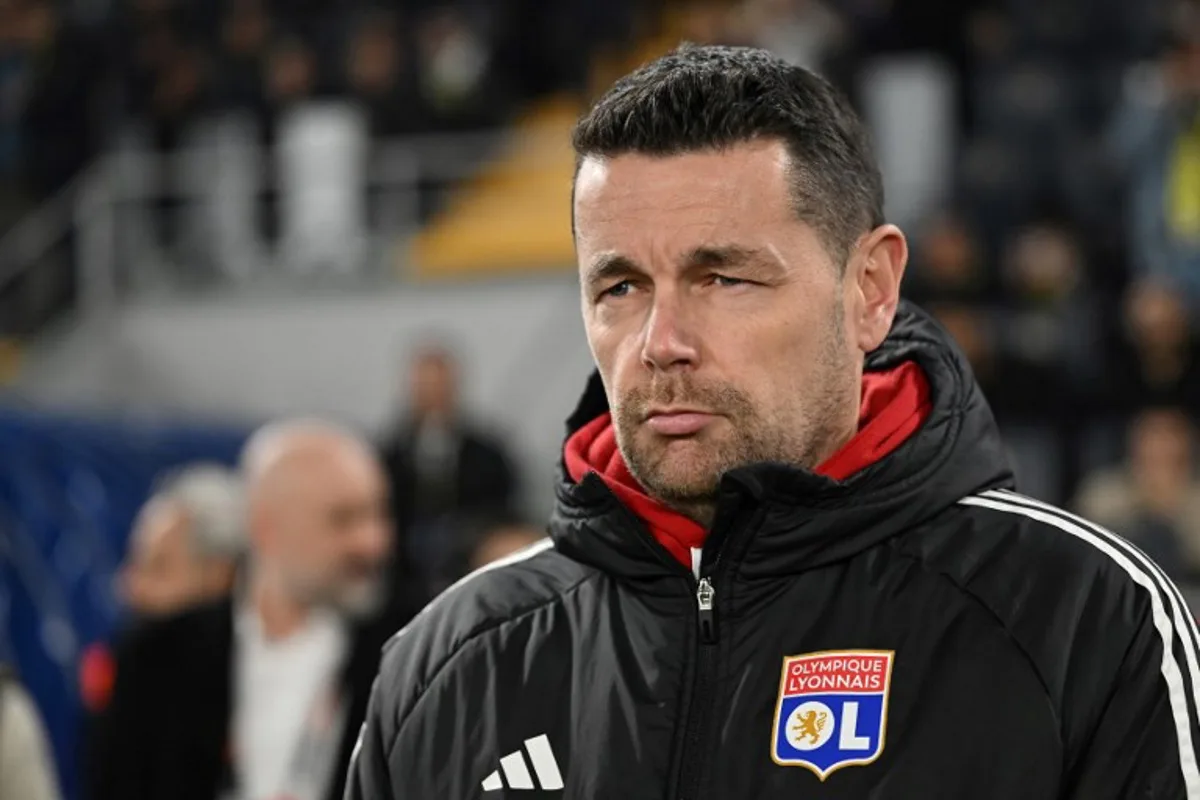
{"x": 1144, "y": 744}
{"x": 369, "y": 777}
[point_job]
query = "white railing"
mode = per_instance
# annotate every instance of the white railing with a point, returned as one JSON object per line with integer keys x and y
{"x": 215, "y": 188}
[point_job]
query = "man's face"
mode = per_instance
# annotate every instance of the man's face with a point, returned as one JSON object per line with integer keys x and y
{"x": 163, "y": 573}
{"x": 718, "y": 320}
{"x": 331, "y": 530}
{"x": 1161, "y": 447}
{"x": 433, "y": 390}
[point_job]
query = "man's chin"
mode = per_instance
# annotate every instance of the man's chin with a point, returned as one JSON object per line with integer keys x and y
{"x": 361, "y": 601}
{"x": 682, "y": 484}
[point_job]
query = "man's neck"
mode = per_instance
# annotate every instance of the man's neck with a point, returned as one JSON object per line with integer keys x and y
{"x": 279, "y": 614}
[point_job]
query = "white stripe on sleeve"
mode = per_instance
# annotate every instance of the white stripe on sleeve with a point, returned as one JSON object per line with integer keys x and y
{"x": 1146, "y": 577}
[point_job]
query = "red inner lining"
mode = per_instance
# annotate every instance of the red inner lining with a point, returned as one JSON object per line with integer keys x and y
{"x": 894, "y": 404}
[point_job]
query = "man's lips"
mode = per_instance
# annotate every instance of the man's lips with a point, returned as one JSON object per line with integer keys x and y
{"x": 678, "y": 422}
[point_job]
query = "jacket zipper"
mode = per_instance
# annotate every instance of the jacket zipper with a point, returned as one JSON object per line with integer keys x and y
{"x": 696, "y": 732}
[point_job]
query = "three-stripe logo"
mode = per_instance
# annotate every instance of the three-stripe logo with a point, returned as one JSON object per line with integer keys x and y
{"x": 514, "y": 774}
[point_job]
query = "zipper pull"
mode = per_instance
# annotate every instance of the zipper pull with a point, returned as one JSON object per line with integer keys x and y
{"x": 705, "y": 597}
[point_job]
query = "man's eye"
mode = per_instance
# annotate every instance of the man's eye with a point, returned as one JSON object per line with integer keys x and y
{"x": 617, "y": 290}
{"x": 724, "y": 280}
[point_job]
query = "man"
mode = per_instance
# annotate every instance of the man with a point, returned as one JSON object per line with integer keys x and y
{"x": 259, "y": 698}
{"x": 184, "y": 551}
{"x": 784, "y": 561}
{"x": 1154, "y": 496}
{"x": 442, "y": 470}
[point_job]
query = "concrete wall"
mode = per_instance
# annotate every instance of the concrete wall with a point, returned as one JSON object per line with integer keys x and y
{"x": 522, "y": 345}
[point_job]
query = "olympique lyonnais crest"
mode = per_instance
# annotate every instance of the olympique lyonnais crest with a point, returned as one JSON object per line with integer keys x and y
{"x": 832, "y": 709}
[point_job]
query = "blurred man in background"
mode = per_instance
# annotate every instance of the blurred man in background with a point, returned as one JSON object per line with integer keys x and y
{"x": 184, "y": 551}
{"x": 442, "y": 468}
{"x": 258, "y": 697}
{"x": 1154, "y": 497}
{"x": 1157, "y": 141}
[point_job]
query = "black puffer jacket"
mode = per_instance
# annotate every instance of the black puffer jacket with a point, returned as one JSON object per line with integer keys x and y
{"x": 916, "y": 632}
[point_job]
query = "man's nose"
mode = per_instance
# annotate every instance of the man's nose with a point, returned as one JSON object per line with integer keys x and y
{"x": 669, "y": 338}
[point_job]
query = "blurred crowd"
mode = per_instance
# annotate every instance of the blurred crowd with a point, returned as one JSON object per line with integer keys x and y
{"x": 316, "y": 82}
{"x": 260, "y": 597}
{"x": 71, "y": 81}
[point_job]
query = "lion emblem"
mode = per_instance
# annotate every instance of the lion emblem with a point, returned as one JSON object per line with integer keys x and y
{"x": 810, "y": 726}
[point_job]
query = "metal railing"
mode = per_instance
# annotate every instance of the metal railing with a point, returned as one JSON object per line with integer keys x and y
{"x": 114, "y": 214}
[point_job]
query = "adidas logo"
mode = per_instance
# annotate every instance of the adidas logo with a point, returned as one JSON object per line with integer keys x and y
{"x": 514, "y": 774}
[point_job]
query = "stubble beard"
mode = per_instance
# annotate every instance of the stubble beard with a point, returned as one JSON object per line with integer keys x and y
{"x": 808, "y": 435}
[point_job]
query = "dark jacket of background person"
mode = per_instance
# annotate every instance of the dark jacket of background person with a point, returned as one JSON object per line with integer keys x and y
{"x": 444, "y": 471}
{"x": 165, "y": 734}
{"x": 428, "y": 506}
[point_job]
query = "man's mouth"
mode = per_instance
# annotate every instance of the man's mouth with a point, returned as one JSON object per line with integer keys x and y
{"x": 678, "y": 421}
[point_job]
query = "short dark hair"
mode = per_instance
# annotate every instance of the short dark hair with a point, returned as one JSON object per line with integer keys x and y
{"x": 708, "y": 98}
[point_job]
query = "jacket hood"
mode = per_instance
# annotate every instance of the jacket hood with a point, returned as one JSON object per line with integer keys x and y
{"x": 796, "y": 519}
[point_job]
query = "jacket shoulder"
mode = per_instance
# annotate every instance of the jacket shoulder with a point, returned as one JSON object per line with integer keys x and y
{"x": 1071, "y": 595}
{"x": 480, "y": 605}
{"x": 1002, "y": 546}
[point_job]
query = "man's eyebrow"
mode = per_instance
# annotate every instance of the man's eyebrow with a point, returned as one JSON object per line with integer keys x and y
{"x": 721, "y": 255}
{"x": 732, "y": 255}
{"x": 608, "y": 266}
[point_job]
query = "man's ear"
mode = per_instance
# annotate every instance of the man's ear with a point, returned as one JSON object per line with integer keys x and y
{"x": 876, "y": 269}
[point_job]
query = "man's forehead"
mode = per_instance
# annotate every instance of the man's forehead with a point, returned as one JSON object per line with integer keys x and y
{"x": 713, "y": 194}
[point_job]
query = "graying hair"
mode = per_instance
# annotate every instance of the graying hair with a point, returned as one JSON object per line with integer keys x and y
{"x": 212, "y": 498}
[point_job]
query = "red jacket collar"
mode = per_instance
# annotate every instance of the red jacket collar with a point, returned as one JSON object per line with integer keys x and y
{"x": 894, "y": 404}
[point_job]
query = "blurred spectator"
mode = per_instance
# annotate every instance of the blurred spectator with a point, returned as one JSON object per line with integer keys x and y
{"x": 26, "y": 764}
{"x": 1053, "y": 340}
{"x": 456, "y": 76}
{"x": 321, "y": 158}
{"x": 1157, "y": 360}
{"x": 1154, "y": 498}
{"x": 380, "y": 75}
{"x": 50, "y": 81}
{"x": 709, "y": 22}
{"x": 290, "y": 73}
{"x": 1052, "y": 321}
{"x": 184, "y": 551}
{"x": 947, "y": 264}
{"x": 261, "y": 696}
{"x": 1157, "y": 137}
{"x": 802, "y": 32}
{"x": 503, "y": 540}
{"x": 971, "y": 329}
{"x": 481, "y": 539}
{"x": 14, "y": 89}
{"x": 59, "y": 117}
{"x": 442, "y": 468}
{"x": 1025, "y": 409}
{"x": 244, "y": 33}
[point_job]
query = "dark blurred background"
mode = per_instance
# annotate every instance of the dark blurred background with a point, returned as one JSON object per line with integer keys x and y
{"x": 214, "y": 213}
